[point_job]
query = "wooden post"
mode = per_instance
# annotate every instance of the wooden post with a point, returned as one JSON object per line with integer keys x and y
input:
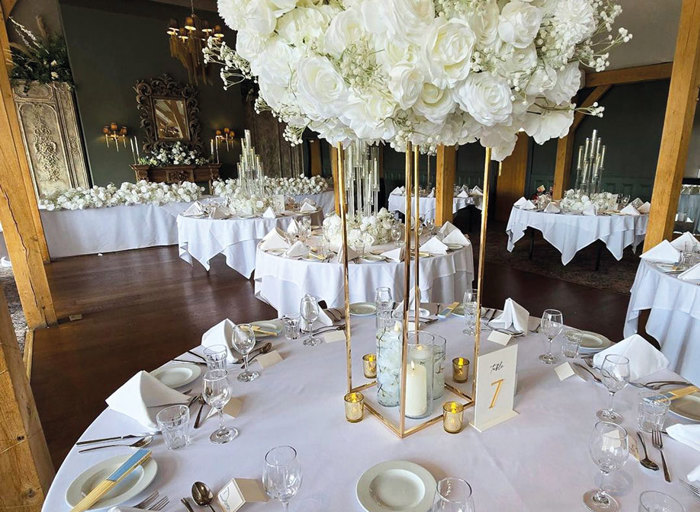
{"x": 18, "y": 210}
{"x": 511, "y": 179}
{"x": 315, "y": 157}
{"x": 25, "y": 462}
{"x": 678, "y": 125}
{"x": 336, "y": 181}
{"x": 445, "y": 168}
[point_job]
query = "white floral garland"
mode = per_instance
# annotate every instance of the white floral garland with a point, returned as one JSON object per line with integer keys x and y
{"x": 142, "y": 192}
{"x": 176, "y": 154}
{"x": 287, "y": 186}
{"x": 372, "y": 229}
{"x": 576, "y": 201}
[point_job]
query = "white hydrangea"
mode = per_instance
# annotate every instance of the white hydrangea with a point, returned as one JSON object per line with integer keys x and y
{"x": 372, "y": 229}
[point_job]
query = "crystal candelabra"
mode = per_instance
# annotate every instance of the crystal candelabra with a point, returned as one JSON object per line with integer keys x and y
{"x": 362, "y": 178}
{"x": 250, "y": 172}
{"x": 590, "y": 164}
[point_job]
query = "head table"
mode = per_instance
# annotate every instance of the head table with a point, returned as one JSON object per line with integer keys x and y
{"x": 674, "y": 319}
{"x": 397, "y": 202}
{"x": 537, "y": 461}
{"x": 570, "y": 233}
{"x": 282, "y": 282}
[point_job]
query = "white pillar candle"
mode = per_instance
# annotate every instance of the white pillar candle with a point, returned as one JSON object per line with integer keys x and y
{"x": 416, "y": 390}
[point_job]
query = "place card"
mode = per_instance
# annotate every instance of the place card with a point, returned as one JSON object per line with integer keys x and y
{"x": 501, "y": 338}
{"x": 232, "y": 408}
{"x": 495, "y": 387}
{"x": 239, "y": 491}
{"x": 333, "y": 336}
{"x": 564, "y": 371}
{"x": 269, "y": 359}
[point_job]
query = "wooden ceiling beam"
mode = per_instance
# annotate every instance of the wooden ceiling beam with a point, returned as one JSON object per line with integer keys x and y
{"x": 630, "y": 75}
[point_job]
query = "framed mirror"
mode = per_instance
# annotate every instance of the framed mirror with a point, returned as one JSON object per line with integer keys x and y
{"x": 169, "y": 113}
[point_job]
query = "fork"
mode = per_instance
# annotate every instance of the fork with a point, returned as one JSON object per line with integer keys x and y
{"x": 692, "y": 488}
{"x": 658, "y": 443}
{"x": 595, "y": 377}
{"x": 657, "y": 385}
{"x": 147, "y": 501}
{"x": 160, "y": 504}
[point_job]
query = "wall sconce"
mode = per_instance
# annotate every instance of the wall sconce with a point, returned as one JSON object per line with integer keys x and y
{"x": 112, "y": 131}
{"x": 225, "y": 136}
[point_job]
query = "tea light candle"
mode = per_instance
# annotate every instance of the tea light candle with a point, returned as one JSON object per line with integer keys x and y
{"x": 354, "y": 403}
{"x": 452, "y": 417}
{"x": 460, "y": 369}
{"x": 369, "y": 365}
{"x": 416, "y": 390}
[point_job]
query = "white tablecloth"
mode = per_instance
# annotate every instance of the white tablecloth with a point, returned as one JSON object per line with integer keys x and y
{"x": 117, "y": 228}
{"x": 325, "y": 200}
{"x": 674, "y": 319}
{"x": 426, "y": 204}
{"x": 571, "y": 233}
{"x": 282, "y": 282}
{"x": 202, "y": 239}
{"x": 535, "y": 462}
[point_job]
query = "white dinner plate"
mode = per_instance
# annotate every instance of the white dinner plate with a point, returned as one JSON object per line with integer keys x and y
{"x": 269, "y": 326}
{"x": 372, "y": 258}
{"x": 687, "y": 407}
{"x": 363, "y": 309}
{"x": 669, "y": 268}
{"x": 276, "y": 252}
{"x": 593, "y": 342}
{"x": 455, "y": 247}
{"x": 133, "y": 483}
{"x": 396, "y": 486}
{"x": 177, "y": 374}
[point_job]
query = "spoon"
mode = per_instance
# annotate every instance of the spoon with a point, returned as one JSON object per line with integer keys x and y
{"x": 144, "y": 441}
{"x": 262, "y": 350}
{"x": 202, "y": 495}
{"x": 646, "y": 461}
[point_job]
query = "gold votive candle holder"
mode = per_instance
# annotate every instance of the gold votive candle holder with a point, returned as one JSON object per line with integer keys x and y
{"x": 460, "y": 369}
{"x": 354, "y": 405}
{"x": 369, "y": 365}
{"x": 452, "y": 417}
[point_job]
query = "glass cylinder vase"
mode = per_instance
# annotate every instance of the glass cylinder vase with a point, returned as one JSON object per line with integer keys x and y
{"x": 419, "y": 375}
{"x": 389, "y": 344}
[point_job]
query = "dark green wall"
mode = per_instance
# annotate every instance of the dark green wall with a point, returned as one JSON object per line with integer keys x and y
{"x": 111, "y": 46}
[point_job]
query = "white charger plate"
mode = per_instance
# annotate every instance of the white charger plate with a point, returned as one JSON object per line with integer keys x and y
{"x": 133, "y": 483}
{"x": 372, "y": 258}
{"x": 396, "y": 486}
{"x": 455, "y": 247}
{"x": 268, "y": 325}
{"x": 363, "y": 309}
{"x": 687, "y": 407}
{"x": 177, "y": 374}
{"x": 592, "y": 342}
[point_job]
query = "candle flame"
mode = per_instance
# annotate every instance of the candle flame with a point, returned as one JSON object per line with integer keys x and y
{"x": 413, "y": 366}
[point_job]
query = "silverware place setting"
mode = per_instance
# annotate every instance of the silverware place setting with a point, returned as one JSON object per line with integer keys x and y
{"x": 140, "y": 443}
{"x": 150, "y": 503}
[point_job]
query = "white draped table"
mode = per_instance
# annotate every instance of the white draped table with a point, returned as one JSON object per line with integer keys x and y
{"x": 570, "y": 233}
{"x": 236, "y": 238}
{"x": 282, "y": 282}
{"x": 535, "y": 462}
{"x": 427, "y": 205}
{"x": 674, "y": 317}
{"x": 324, "y": 200}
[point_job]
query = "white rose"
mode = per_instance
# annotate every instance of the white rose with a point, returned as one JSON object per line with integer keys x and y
{"x": 517, "y": 60}
{"x": 483, "y": 20}
{"x": 448, "y": 51}
{"x": 543, "y": 79}
{"x": 519, "y": 23}
{"x": 232, "y": 12}
{"x": 548, "y": 124}
{"x": 259, "y": 17}
{"x": 501, "y": 140}
{"x": 575, "y": 18}
{"x": 394, "y": 50}
{"x": 434, "y": 104}
{"x": 320, "y": 87}
{"x": 302, "y": 26}
{"x": 345, "y": 28}
{"x": 486, "y": 98}
{"x": 408, "y": 18}
{"x": 249, "y": 44}
{"x": 567, "y": 85}
{"x": 406, "y": 84}
{"x": 280, "y": 7}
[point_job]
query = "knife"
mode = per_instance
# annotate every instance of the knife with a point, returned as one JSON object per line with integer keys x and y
{"x": 448, "y": 310}
{"x": 114, "y": 438}
{"x": 196, "y": 355}
{"x": 197, "y": 421}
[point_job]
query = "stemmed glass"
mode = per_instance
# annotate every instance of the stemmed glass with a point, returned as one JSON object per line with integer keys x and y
{"x": 615, "y": 374}
{"x": 244, "y": 341}
{"x": 308, "y": 309}
{"x": 282, "y": 474}
{"x": 383, "y": 299}
{"x": 429, "y": 225}
{"x": 453, "y": 495}
{"x": 551, "y": 325}
{"x": 396, "y": 231}
{"x": 470, "y": 306}
{"x": 217, "y": 393}
{"x": 609, "y": 450}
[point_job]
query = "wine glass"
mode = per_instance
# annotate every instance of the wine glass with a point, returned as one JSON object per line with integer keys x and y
{"x": 217, "y": 393}
{"x": 470, "y": 306}
{"x": 396, "y": 231}
{"x": 282, "y": 474}
{"x": 609, "y": 450}
{"x": 308, "y": 309}
{"x": 383, "y": 299}
{"x": 615, "y": 374}
{"x": 551, "y": 325}
{"x": 453, "y": 495}
{"x": 429, "y": 225}
{"x": 244, "y": 341}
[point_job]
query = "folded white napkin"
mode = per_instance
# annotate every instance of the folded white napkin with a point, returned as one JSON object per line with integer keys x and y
{"x": 463, "y": 193}
{"x": 637, "y": 202}
{"x": 644, "y": 358}
{"x": 297, "y": 250}
{"x": 692, "y": 274}
{"x": 398, "y": 191}
{"x": 434, "y": 246}
{"x": 629, "y": 210}
{"x": 323, "y": 319}
{"x": 293, "y": 227}
{"x": 352, "y": 254}
{"x": 685, "y": 242}
{"x": 274, "y": 240}
{"x": 520, "y": 202}
{"x": 394, "y": 254}
{"x": 310, "y": 201}
{"x": 529, "y": 205}
{"x": 432, "y": 193}
{"x": 662, "y": 253}
{"x": 219, "y": 212}
{"x": 194, "y": 209}
{"x": 307, "y": 207}
{"x": 514, "y": 316}
{"x": 269, "y": 213}
{"x": 447, "y": 228}
{"x": 221, "y": 334}
{"x": 686, "y": 434}
{"x": 476, "y": 191}
{"x": 552, "y": 208}
{"x": 590, "y": 209}
{"x": 644, "y": 208}
{"x": 456, "y": 237}
{"x": 138, "y": 393}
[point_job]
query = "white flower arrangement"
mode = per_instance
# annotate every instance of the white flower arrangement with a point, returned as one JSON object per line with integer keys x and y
{"x": 287, "y": 186}
{"x": 371, "y": 230}
{"x": 142, "y": 192}
{"x": 422, "y": 71}
{"x": 244, "y": 204}
{"x": 176, "y": 154}
{"x": 576, "y": 201}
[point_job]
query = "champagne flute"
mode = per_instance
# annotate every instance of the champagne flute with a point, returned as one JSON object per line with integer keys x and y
{"x": 551, "y": 325}
{"x": 615, "y": 374}
{"x": 453, "y": 495}
{"x": 609, "y": 450}
{"x": 244, "y": 341}
{"x": 308, "y": 309}
{"x": 217, "y": 393}
{"x": 282, "y": 474}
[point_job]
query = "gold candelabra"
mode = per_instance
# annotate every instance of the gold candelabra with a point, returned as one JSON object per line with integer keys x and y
{"x": 113, "y": 132}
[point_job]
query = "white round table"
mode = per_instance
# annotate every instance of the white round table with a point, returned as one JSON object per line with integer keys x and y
{"x": 282, "y": 282}
{"x": 674, "y": 317}
{"x": 236, "y": 238}
{"x": 324, "y": 200}
{"x": 535, "y": 462}
{"x": 570, "y": 233}
{"x": 427, "y": 205}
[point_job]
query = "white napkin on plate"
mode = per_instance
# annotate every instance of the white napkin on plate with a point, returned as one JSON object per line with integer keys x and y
{"x": 629, "y": 210}
{"x": 219, "y": 212}
{"x": 590, "y": 209}
{"x": 447, "y": 228}
{"x": 463, "y": 193}
{"x": 352, "y": 254}
{"x": 432, "y": 193}
{"x": 456, "y": 237}
{"x": 293, "y": 227}
{"x": 552, "y": 208}
{"x": 274, "y": 240}
{"x": 476, "y": 191}
{"x": 692, "y": 274}
{"x": 398, "y": 191}
{"x": 434, "y": 246}
{"x": 644, "y": 208}
{"x": 685, "y": 242}
{"x": 514, "y": 316}
{"x": 323, "y": 319}
{"x": 269, "y": 213}
{"x": 298, "y": 249}
{"x": 138, "y": 393}
{"x": 686, "y": 434}
{"x": 520, "y": 202}
{"x": 662, "y": 253}
{"x": 644, "y": 358}
{"x": 394, "y": 254}
{"x": 307, "y": 208}
{"x": 221, "y": 334}
{"x": 194, "y": 209}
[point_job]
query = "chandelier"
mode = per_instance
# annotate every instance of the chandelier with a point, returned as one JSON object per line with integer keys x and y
{"x": 186, "y": 44}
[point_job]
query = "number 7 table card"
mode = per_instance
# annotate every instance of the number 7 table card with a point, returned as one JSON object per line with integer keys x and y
{"x": 495, "y": 387}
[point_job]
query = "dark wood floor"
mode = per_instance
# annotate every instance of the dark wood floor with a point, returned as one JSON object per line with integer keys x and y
{"x": 142, "y": 308}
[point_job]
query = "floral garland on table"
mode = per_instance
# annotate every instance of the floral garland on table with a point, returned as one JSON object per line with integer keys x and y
{"x": 576, "y": 201}
{"x": 142, "y": 192}
{"x": 371, "y": 230}
{"x": 176, "y": 154}
{"x": 241, "y": 203}
{"x": 422, "y": 71}
{"x": 287, "y": 186}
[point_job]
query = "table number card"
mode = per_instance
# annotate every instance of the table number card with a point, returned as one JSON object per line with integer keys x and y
{"x": 495, "y": 387}
{"x": 240, "y": 491}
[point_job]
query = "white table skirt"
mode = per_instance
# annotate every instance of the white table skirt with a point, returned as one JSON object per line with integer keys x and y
{"x": 426, "y": 205}
{"x": 202, "y": 239}
{"x": 282, "y": 282}
{"x": 674, "y": 319}
{"x": 571, "y": 233}
{"x": 535, "y": 462}
{"x": 325, "y": 200}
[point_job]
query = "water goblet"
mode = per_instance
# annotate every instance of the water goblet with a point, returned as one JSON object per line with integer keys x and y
{"x": 571, "y": 344}
{"x": 216, "y": 356}
{"x": 429, "y": 226}
{"x": 291, "y": 327}
{"x": 396, "y": 231}
{"x": 217, "y": 393}
{"x": 308, "y": 309}
{"x": 453, "y": 495}
{"x": 655, "y": 501}
{"x": 651, "y": 411}
{"x": 470, "y": 306}
{"x": 615, "y": 374}
{"x": 282, "y": 474}
{"x": 551, "y": 325}
{"x": 609, "y": 450}
{"x": 383, "y": 299}
{"x": 244, "y": 341}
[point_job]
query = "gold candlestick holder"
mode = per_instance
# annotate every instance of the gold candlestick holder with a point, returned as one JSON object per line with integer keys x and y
{"x": 354, "y": 403}
{"x": 452, "y": 417}
{"x": 369, "y": 365}
{"x": 460, "y": 369}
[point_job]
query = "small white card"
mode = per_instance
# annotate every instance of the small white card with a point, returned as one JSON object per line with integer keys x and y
{"x": 232, "y": 408}
{"x": 269, "y": 359}
{"x": 495, "y": 387}
{"x": 240, "y": 491}
{"x": 499, "y": 337}
{"x": 333, "y": 336}
{"x": 564, "y": 371}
